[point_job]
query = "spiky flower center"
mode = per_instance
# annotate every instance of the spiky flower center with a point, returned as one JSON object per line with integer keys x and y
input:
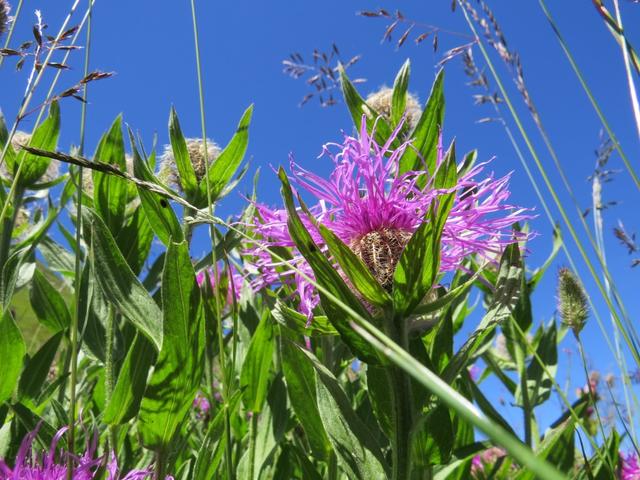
{"x": 380, "y": 251}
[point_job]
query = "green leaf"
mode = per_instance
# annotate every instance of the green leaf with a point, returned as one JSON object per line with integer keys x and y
{"x": 352, "y": 266}
{"x": 161, "y": 216}
{"x": 188, "y": 179}
{"x": 297, "y": 322}
{"x": 301, "y": 387}
{"x": 118, "y": 282}
{"x": 327, "y": 276}
{"x": 135, "y": 239}
{"x": 432, "y": 437}
{"x": 256, "y": 369}
{"x": 37, "y": 368}
{"x": 44, "y": 137}
{"x": 176, "y": 377}
{"x": 399, "y": 95}
{"x": 358, "y": 454}
{"x": 419, "y": 264}
{"x": 417, "y": 269}
{"x": 226, "y": 165}
{"x": 92, "y": 310}
{"x": 109, "y": 191}
{"x": 427, "y": 132}
{"x": 48, "y": 304}
{"x": 504, "y": 300}
{"x": 380, "y": 397}
{"x": 539, "y": 384}
{"x": 12, "y": 351}
{"x": 132, "y": 381}
{"x": 10, "y": 274}
{"x": 358, "y": 107}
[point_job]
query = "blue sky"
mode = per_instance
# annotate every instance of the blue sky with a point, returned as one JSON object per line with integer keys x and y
{"x": 149, "y": 45}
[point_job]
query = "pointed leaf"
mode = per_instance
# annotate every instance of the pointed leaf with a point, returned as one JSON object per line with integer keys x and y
{"x": 48, "y": 304}
{"x": 188, "y": 179}
{"x": 178, "y": 371}
{"x": 12, "y": 351}
{"x": 224, "y": 168}
{"x": 118, "y": 282}
{"x": 256, "y": 369}
{"x": 427, "y": 132}
{"x": 109, "y": 191}
{"x": 399, "y": 96}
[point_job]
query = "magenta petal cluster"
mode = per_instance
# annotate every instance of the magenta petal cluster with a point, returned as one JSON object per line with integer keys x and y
{"x": 232, "y": 277}
{"x": 629, "y": 468}
{"x": 52, "y": 465}
{"x": 366, "y": 195}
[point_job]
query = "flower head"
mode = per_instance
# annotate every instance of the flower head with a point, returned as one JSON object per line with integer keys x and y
{"x": 629, "y": 469}
{"x": 232, "y": 278}
{"x": 52, "y": 465}
{"x": 375, "y": 210}
{"x": 195, "y": 146}
{"x": 381, "y": 101}
{"x": 572, "y": 301}
{"x": 30, "y": 466}
{"x": 483, "y": 464}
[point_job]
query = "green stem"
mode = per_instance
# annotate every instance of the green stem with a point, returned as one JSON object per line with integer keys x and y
{"x": 402, "y": 409}
{"x": 253, "y": 433}
{"x": 75, "y": 321}
{"x": 332, "y": 473}
{"x": 109, "y": 370}
{"x": 160, "y": 465}
{"x": 400, "y": 440}
{"x": 8, "y": 225}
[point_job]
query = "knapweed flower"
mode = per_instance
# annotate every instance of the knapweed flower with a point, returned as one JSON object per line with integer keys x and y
{"x": 52, "y": 465}
{"x": 482, "y": 465}
{"x": 195, "y": 146}
{"x": 30, "y": 466}
{"x": 5, "y": 8}
{"x": 375, "y": 210}
{"x": 233, "y": 281}
{"x": 629, "y": 468}
{"x": 572, "y": 301}
{"x": 381, "y": 100}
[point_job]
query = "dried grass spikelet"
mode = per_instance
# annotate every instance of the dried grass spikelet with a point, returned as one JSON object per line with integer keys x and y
{"x": 381, "y": 100}
{"x": 5, "y": 8}
{"x": 168, "y": 172}
{"x": 572, "y": 301}
{"x": 87, "y": 175}
{"x": 380, "y": 251}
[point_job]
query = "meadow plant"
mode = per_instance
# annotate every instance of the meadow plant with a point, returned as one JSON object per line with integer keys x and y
{"x": 378, "y": 323}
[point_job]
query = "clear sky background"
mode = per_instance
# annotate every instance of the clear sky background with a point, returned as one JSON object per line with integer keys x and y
{"x": 149, "y": 46}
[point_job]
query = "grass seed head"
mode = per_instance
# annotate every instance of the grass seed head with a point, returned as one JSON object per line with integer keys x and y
{"x": 572, "y": 301}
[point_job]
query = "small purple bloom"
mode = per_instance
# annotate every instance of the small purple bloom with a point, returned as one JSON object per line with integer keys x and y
{"x": 629, "y": 470}
{"x": 233, "y": 280}
{"x": 201, "y": 405}
{"x": 375, "y": 210}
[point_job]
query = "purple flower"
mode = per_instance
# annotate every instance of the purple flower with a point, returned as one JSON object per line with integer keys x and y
{"x": 49, "y": 466}
{"x": 629, "y": 470}
{"x": 30, "y": 466}
{"x": 375, "y": 210}
{"x": 233, "y": 282}
{"x": 201, "y": 405}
